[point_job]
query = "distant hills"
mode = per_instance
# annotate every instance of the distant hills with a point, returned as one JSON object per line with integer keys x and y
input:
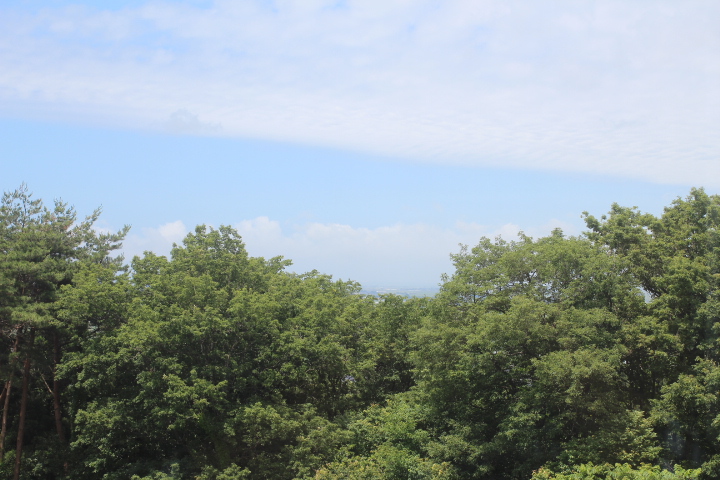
{"x": 403, "y": 291}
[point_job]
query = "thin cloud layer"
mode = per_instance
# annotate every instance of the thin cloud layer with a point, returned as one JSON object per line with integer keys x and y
{"x": 621, "y": 88}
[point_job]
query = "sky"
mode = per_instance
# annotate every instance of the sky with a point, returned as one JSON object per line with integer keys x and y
{"x": 366, "y": 140}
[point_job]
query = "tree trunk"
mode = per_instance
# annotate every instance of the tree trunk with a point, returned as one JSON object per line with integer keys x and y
{"x": 6, "y": 406}
{"x": 23, "y": 406}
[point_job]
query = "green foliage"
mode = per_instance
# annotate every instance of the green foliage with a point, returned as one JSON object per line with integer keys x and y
{"x": 385, "y": 346}
{"x": 386, "y": 462}
{"x": 554, "y": 269}
{"x": 617, "y": 472}
{"x": 42, "y": 250}
{"x": 627, "y": 437}
{"x": 689, "y": 412}
{"x": 552, "y": 358}
{"x": 222, "y": 359}
{"x": 388, "y": 442}
{"x": 674, "y": 258}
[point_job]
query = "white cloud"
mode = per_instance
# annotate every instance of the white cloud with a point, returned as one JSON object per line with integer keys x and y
{"x": 397, "y": 255}
{"x": 158, "y": 240}
{"x": 625, "y": 88}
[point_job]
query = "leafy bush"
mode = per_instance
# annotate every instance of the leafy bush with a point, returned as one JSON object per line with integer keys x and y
{"x": 588, "y": 471}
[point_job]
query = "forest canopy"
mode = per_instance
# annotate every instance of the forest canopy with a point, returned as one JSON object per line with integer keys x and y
{"x": 561, "y": 357}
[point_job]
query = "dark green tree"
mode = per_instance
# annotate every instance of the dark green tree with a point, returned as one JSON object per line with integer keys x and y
{"x": 41, "y": 249}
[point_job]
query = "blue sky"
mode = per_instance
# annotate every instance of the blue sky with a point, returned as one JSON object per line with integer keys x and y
{"x": 363, "y": 139}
